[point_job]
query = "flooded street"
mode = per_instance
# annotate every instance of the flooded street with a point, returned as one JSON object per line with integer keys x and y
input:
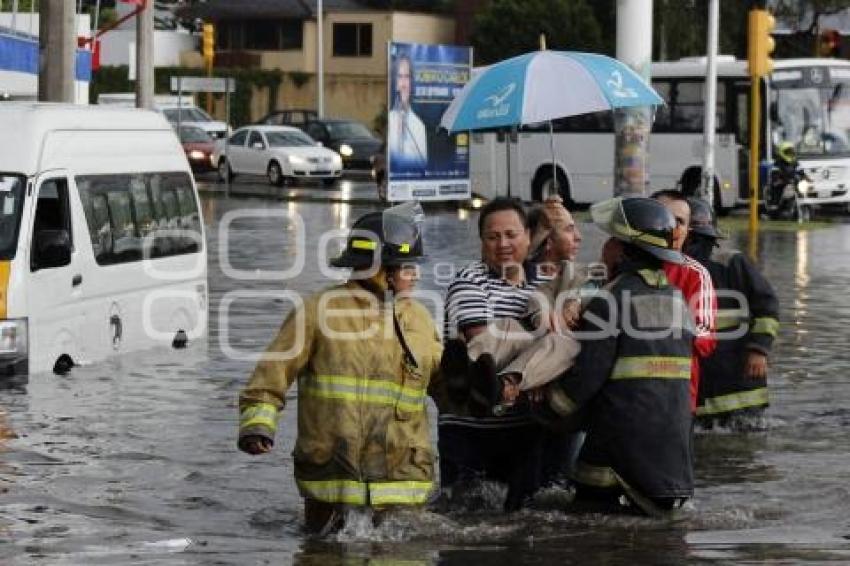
{"x": 134, "y": 461}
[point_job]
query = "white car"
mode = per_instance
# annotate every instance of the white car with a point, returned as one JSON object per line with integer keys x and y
{"x": 282, "y": 153}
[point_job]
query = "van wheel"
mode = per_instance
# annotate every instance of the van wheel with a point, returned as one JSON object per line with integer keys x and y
{"x": 225, "y": 173}
{"x": 275, "y": 174}
{"x": 180, "y": 340}
{"x": 63, "y": 365}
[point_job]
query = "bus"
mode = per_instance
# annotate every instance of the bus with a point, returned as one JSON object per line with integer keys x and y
{"x": 806, "y": 102}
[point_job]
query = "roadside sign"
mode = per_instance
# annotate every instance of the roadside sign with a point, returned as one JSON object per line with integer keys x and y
{"x": 203, "y": 84}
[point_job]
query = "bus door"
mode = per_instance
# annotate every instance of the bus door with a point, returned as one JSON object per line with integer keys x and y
{"x": 507, "y": 164}
{"x": 741, "y": 94}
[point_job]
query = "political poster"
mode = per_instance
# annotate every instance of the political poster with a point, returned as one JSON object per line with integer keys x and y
{"x": 424, "y": 162}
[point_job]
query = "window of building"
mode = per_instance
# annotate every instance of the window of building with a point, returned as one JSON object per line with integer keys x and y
{"x": 352, "y": 40}
{"x": 260, "y": 35}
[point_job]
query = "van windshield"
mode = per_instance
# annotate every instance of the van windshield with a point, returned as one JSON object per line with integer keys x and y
{"x": 11, "y": 203}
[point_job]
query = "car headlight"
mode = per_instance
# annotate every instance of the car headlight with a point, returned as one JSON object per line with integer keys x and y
{"x": 13, "y": 338}
{"x": 196, "y": 154}
{"x": 337, "y": 160}
{"x": 804, "y": 185}
{"x": 296, "y": 160}
{"x": 346, "y": 150}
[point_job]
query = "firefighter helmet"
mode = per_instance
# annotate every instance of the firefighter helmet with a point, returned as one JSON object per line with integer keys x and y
{"x": 391, "y": 237}
{"x": 703, "y": 219}
{"x": 642, "y": 222}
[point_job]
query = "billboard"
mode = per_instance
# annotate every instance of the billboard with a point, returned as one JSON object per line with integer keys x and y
{"x": 424, "y": 162}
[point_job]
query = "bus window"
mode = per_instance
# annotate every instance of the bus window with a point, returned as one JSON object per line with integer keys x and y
{"x": 689, "y": 107}
{"x": 662, "y": 113}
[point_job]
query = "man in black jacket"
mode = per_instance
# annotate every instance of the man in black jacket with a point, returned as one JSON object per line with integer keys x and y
{"x": 733, "y": 392}
{"x": 632, "y": 376}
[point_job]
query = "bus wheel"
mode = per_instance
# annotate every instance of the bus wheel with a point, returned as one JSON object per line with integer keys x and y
{"x": 543, "y": 186}
{"x": 63, "y": 364}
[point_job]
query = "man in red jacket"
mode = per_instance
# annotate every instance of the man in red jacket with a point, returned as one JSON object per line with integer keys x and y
{"x": 695, "y": 283}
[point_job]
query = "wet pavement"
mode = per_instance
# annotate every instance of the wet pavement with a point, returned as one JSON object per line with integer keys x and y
{"x": 133, "y": 461}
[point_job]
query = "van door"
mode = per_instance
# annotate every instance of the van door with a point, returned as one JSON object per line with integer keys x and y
{"x": 57, "y": 312}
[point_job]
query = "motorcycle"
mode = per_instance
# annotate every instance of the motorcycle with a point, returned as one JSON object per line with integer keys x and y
{"x": 783, "y": 195}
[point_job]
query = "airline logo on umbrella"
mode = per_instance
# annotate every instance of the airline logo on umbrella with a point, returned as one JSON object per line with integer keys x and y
{"x": 497, "y": 105}
{"x": 618, "y": 89}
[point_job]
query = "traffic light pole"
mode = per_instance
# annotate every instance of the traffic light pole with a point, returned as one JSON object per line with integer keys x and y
{"x": 755, "y": 119}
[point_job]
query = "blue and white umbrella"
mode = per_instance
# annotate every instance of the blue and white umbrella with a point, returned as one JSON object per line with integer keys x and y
{"x": 543, "y": 86}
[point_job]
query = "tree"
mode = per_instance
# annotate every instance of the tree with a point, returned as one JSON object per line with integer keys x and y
{"x": 511, "y": 27}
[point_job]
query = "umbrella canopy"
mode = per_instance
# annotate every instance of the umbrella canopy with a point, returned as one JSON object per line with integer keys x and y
{"x": 545, "y": 85}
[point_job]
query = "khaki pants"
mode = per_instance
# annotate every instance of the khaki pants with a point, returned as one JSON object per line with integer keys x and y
{"x": 537, "y": 358}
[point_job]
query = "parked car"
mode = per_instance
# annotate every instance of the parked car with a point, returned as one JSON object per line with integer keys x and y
{"x": 297, "y": 117}
{"x": 199, "y": 148}
{"x": 194, "y": 116}
{"x": 282, "y": 153}
{"x": 175, "y": 108}
{"x": 351, "y": 139}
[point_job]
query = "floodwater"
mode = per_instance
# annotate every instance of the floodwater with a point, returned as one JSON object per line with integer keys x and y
{"x": 133, "y": 461}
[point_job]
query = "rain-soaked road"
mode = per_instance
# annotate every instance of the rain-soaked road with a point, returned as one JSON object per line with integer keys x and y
{"x": 133, "y": 461}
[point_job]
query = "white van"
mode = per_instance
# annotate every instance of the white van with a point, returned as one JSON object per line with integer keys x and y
{"x": 102, "y": 247}
{"x": 176, "y": 108}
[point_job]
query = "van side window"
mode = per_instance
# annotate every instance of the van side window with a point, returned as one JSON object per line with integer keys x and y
{"x": 52, "y": 216}
{"x": 126, "y": 212}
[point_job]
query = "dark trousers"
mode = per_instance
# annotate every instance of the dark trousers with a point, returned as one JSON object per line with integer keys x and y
{"x": 513, "y": 456}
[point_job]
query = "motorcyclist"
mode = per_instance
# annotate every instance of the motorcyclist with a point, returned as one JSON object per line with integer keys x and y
{"x": 786, "y": 173}
{"x": 365, "y": 355}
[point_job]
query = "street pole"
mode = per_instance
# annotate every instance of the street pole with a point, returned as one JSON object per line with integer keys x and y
{"x": 144, "y": 56}
{"x": 57, "y": 43}
{"x": 320, "y": 63}
{"x": 632, "y": 125}
{"x": 710, "y": 112}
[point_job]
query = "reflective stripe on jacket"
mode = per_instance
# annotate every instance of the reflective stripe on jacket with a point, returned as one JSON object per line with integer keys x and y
{"x": 633, "y": 379}
{"x": 363, "y": 433}
{"x": 725, "y": 388}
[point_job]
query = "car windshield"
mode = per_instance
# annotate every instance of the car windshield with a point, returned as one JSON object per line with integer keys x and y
{"x": 342, "y": 130}
{"x": 816, "y": 119}
{"x": 194, "y": 135}
{"x": 188, "y": 114}
{"x": 11, "y": 203}
{"x": 289, "y": 139}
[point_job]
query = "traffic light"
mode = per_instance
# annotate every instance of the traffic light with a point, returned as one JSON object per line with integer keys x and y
{"x": 760, "y": 42}
{"x": 208, "y": 44}
{"x": 829, "y": 43}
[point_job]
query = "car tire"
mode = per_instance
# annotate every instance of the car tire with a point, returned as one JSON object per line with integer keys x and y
{"x": 327, "y": 183}
{"x": 225, "y": 173}
{"x": 275, "y": 174}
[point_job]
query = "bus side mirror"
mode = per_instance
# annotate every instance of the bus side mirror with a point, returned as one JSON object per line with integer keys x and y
{"x": 774, "y": 113}
{"x": 52, "y": 249}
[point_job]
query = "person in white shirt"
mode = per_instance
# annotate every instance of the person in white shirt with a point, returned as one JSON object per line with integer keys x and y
{"x": 408, "y": 142}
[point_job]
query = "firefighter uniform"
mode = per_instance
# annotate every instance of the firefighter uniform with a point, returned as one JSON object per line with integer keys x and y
{"x": 632, "y": 377}
{"x": 365, "y": 357}
{"x": 725, "y": 388}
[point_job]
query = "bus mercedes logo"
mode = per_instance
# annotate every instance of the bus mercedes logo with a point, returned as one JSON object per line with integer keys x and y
{"x": 816, "y": 75}
{"x": 825, "y": 173}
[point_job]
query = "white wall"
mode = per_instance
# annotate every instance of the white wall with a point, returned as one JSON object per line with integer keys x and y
{"x": 167, "y": 45}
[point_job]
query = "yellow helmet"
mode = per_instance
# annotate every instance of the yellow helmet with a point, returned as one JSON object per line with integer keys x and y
{"x": 786, "y": 152}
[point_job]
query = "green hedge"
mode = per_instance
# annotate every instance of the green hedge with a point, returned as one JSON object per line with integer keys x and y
{"x": 114, "y": 79}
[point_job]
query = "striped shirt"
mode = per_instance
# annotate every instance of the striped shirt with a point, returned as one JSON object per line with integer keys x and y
{"x": 476, "y": 296}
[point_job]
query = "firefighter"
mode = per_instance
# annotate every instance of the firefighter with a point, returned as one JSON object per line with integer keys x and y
{"x": 365, "y": 355}
{"x": 631, "y": 379}
{"x": 733, "y": 392}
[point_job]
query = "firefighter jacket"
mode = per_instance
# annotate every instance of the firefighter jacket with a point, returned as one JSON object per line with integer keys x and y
{"x": 363, "y": 433}
{"x": 741, "y": 328}
{"x": 632, "y": 378}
